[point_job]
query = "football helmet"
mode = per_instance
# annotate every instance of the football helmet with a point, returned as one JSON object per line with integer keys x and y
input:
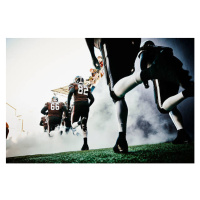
{"x": 79, "y": 79}
{"x": 147, "y": 44}
{"x": 54, "y": 99}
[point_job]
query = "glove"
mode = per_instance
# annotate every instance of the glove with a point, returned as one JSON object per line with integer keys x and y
{"x": 96, "y": 63}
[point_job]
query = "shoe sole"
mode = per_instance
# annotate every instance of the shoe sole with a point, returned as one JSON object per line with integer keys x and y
{"x": 116, "y": 150}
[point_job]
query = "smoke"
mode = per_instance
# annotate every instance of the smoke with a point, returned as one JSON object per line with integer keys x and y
{"x": 40, "y": 143}
{"x": 144, "y": 126}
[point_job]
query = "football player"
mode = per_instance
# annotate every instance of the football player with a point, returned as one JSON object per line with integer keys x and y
{"x": 81, "y": 106}
{"x": 55, "y": 110}
{"x": 118, "y": 54}
{"x": 67, "y": 118}
{"x": 7, "y": 130}
{"x": 166, "y": 89}
{"x": 43, "y": 123}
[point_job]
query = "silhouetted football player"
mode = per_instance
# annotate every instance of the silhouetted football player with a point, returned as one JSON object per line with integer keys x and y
{"x": 43, "y": 123}
{"x": 7, "y": 130}
{"x": 166, "y": 88}
{"x": 119, "y": 56}
{"x": 81, "y": 106}
{"x": 55, "y": 110}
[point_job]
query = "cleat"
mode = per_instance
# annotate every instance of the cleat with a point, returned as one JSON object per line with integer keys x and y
{"x": 75, "y": 132}
{"x": 85, "y": 147}
{"x": 121, "y": 146}
{"x": 67, "y": 130}
{"x": 182, "y": 138}
{"x": 50, "y": 135}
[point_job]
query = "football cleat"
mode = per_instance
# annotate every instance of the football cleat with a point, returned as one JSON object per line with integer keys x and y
{"x": 67, "y": 130}
{"x": 121, "y": 146}
{"x": 50, "y": 135}
{"x": 85, "y": 147}
{"x": 182, "y": 138}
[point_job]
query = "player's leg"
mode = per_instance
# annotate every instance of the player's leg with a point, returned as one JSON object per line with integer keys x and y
{"x": 168, "y": 96}
{"x": 126, "y": 84}
{"x": 67, "y": 124}
{"x": 75, "y": 115}
{"x": 167, "y": 99}
{"x": 45, "y": 128}
{"x": 84, "y": 119}
{"x": 50, "y": 125}
{"x": 119, "y": 57}
{"x": 182, "y": 136}
{"x": 122, "y": 113}
{"x": 7, "y": 131}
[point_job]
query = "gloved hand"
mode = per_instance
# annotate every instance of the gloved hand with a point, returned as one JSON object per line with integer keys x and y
{"x": 96, "y": 63}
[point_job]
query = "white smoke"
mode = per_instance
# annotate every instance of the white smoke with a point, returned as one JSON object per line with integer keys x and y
{"x": 40, "y": 143}
{"x": 102, "y": 126}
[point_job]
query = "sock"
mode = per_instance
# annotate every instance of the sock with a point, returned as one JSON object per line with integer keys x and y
{"x": 85, "y": 140}
{"x": 122, "y": 135}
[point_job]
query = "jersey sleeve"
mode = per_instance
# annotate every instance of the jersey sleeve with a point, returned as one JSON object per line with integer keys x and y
{"x": 71, "y": 85}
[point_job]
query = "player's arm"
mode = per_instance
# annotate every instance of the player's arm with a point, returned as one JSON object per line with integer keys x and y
{"x": 71, "y": 92}
{"x": 44, "y": 109}
{"x": 91, "y": 97}
{"x": 143, "y": 65}
{"x": 41, "y": 123}
{"x": 90, "y": 44}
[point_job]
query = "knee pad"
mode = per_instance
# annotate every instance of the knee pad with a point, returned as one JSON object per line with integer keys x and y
{"x": 163, "y": 111}
{"x": 114, "y": 97}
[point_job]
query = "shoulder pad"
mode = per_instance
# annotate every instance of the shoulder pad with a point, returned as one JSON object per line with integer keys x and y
{"x": 71, "y": 85}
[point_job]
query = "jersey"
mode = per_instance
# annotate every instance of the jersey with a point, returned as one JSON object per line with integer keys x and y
{"x": 81, "y": 92}
{"x": 55, "y": 109}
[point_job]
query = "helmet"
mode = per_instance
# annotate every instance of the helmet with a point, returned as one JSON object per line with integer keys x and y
{"x": 54, "y": 99}
{"x": 147, "y": 44}
{"x": 79, "y": 79}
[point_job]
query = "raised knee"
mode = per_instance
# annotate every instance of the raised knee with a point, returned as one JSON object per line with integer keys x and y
{"x": 115, "y": 98}
{"x": 162, "y": 110}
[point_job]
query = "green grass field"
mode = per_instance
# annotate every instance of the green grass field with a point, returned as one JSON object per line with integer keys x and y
{"x": 154, "y": 153}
